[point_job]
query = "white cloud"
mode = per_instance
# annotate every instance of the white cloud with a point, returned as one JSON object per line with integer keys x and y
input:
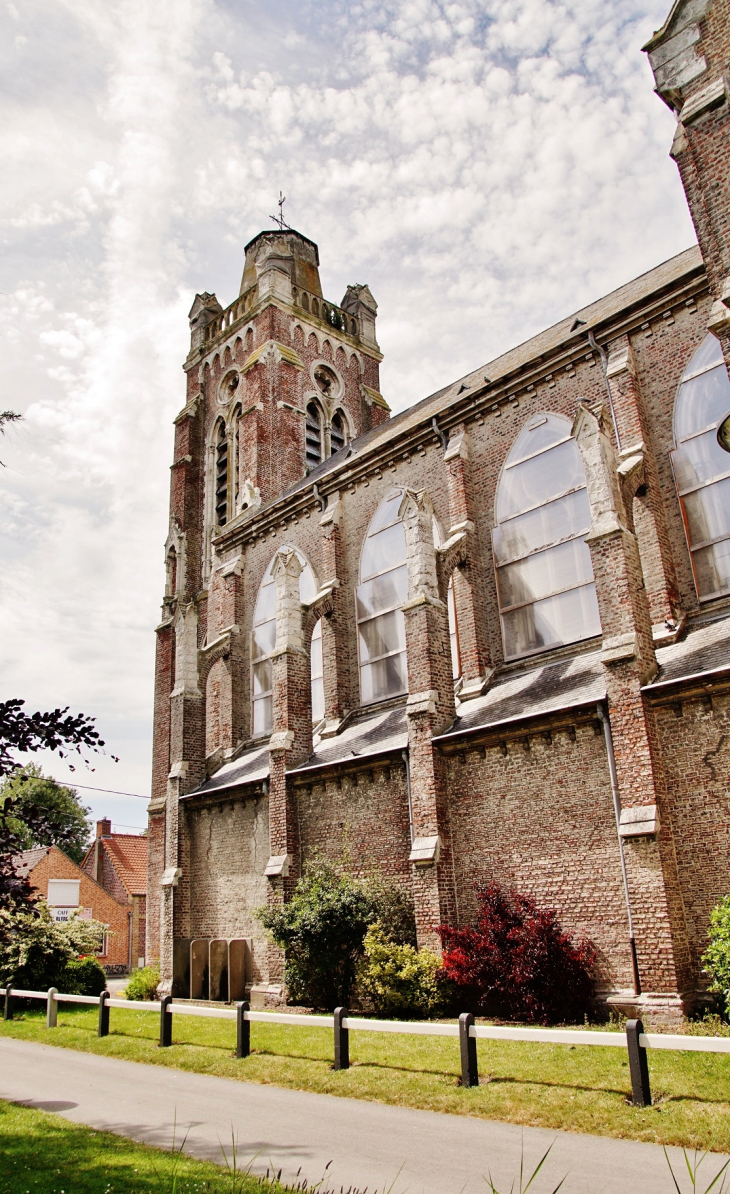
{"x": 486, "y": 165}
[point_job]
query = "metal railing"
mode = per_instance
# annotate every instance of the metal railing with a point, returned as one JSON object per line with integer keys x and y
{"x": 635, "y": 1040}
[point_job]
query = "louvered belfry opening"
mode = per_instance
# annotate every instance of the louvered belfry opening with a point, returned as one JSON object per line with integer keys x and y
{"x": 337, "y": 433}
{"x": 221, "y": 477}
{"x": 313, "y": 436}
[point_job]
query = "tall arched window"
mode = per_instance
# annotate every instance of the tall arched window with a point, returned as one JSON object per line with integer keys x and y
{"x": 313, "y": 435}
{"x": 221, "y": 476}
{"x": 317, "y": 667}
{"x": 263, "y": 641}
{"x": 702, "y": 468}
{"x": 338, "y": 432}
{"x": 544, "y": 573}
{"x": 382, "y": 590}
{"x": 453, "y": 632}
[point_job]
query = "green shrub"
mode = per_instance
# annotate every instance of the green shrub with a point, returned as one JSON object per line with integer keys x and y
{"x": 398, "y": 980}
{"x": 322, "y": 930}
{"x": 716, "y": 959}
{"x": 143, "y": 984}
{"x": 82, "y": 976}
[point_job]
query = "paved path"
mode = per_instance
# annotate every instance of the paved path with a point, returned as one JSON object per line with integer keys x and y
{"x": 368, "y": 1144}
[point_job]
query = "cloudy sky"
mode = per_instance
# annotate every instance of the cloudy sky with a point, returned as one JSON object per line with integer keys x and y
{"x": 487, "y": 166}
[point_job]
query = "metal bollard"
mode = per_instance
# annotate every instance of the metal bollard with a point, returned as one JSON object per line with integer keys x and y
{"x": 103, "y": 1029}
{"x": 52, "y": 1008}
{"x": 342, "y": 1040}
{"x": 165, "y": 1022}
{"x": 243, "y": 1031}
{"x": 468, "y": 1047}
{"x": 8, "y": 1011}
{"x": 638, "y": 1065}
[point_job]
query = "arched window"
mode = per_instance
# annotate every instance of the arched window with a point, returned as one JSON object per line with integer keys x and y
{"x": 171, "y": 573}
{"x": 702, "y": 468}
{"x": 382, "y": 590}
{"x": 263, "y": 641}
{"x": 221, "y": 476}
{"x": 453, "y": 632}
{"x": 236, "y": 470}
{"x": 338, "y": 432}
{"x": 544, "y": 573}
{"x": 317, "y": 668}
{"x": 313, "y": 435}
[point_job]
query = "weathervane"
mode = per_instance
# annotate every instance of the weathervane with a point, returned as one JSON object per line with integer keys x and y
{"x": 280, "y": 218}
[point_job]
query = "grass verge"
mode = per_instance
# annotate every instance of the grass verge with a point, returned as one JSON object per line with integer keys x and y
{"x": 569, "y": 1088}
{"x": 41, "y": 1153}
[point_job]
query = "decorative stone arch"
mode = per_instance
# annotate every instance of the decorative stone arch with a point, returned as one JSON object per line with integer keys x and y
{"x": 176, "y": 543}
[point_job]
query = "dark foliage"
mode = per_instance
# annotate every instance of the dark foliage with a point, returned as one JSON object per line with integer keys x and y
{"x": 517, "y": 961}
{"x": 6, "y": 417}
{"x": 22, "y": 732}
{"x": 58, "y": 730}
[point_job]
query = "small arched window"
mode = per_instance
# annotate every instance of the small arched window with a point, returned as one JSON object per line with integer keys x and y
{"x": 234, "y": 462}
{"x": 547, "y": 595}
{"x": 317, "y": 669}
{"x": 221, "y": 476}
{"x": 313, "y": 435}
{"x": 171, "y": 573}
{"x": 263, "y": 641}
{"x": 702, "y": 468}
{"x": 338, "y": 432}
{"x": 382, "y": 590}
{"x": 453, "y": 632}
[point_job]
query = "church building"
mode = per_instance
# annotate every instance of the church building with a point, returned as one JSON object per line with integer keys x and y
{"x": 487, "y": 638}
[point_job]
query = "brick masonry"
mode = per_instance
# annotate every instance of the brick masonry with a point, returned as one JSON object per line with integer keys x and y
{"x": 530, "y": 804}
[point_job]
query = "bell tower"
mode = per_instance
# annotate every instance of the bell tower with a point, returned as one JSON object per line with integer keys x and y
{"x": 690, "y": 58}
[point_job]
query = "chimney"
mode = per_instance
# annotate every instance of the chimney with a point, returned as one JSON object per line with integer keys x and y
{"x": 104, "y": 828}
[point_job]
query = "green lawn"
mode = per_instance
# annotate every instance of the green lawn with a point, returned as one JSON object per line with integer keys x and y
{"x": 45, "y": 1154}
{"x": 572, "y": 1088}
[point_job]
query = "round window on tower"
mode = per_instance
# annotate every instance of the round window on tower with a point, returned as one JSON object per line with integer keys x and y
{"x": 326, "y": 381}
{"x": 228, "y": 387}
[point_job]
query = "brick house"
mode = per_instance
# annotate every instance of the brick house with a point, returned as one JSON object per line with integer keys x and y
{"x": 67, "y": 888}
{"x": 487, "y": 638}
{"x": 118, "y": 863}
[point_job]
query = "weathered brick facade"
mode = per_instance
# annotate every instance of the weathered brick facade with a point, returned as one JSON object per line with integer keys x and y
{"x": 506, "y": 774}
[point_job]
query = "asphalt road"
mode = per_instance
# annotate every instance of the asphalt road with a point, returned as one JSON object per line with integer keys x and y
{"x": 367, "y": 1144}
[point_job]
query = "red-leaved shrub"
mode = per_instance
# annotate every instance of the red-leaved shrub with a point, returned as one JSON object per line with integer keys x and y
{"x": 517, "y": 961}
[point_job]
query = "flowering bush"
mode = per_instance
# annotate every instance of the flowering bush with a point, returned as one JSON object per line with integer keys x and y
{"x": 37, "y": 952}
{"x": 399, "y": 980}
{"x": 517, "y": 961}
{"x": 716, "y": 959}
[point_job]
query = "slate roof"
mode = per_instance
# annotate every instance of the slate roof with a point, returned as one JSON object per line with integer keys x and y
{"x": 382, "y": 732}
{"x": 565, "y": 684}
{"x": 25, "y": 862}
{"x": 248, "y": 768}
{"x": 624, "y": 298}
{"x": 705, "y": 648}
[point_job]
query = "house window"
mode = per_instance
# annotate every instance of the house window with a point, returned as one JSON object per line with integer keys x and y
{"x": 547, "y": 595}
{"x": 263, "y": 641}
{"x": 63, "y": 897}
{"x": 382, "y": 590}
{"x": 221, "y": 476}
{"x": 313, "y": 435}
{"x": 702, "y": 468}
{"x": 338, "y": 432}
{"x": 317, "y": 669}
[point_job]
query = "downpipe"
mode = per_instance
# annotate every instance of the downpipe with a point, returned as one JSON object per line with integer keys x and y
{"x": 608, "y": 736}
{"x": 407, "y": 765}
